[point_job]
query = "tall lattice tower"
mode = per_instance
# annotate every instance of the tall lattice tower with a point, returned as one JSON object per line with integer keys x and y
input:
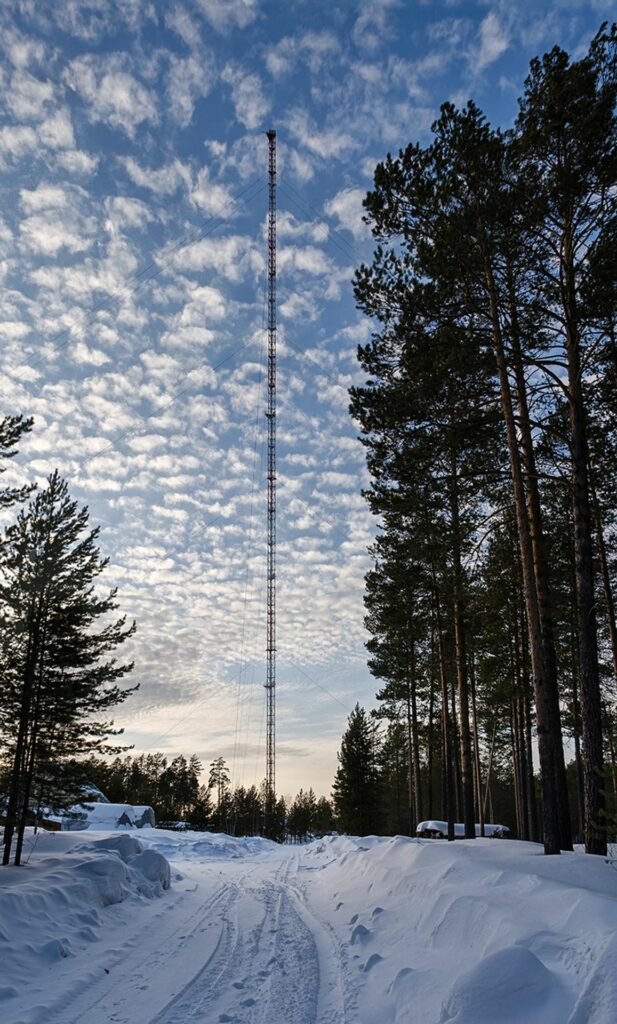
{"x": 271, "y": 538}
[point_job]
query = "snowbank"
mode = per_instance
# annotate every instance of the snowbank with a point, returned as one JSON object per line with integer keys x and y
{"x": 205, "y": 846}
{"x": 55, "y": 906}
{"x": 468, "y": 932}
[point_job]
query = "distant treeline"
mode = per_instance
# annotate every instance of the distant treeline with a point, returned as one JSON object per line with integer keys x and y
{"x": 173, "y": 789}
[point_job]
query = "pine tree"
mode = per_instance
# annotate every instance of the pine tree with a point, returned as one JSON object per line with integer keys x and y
{"x": 323, "y": 821}
{"x": 452, "y": 207}
{"x": 12, "y": 428}
{"x": 218, "y": 780}
{"x": 302, "y": 814}
{"x": 57, "y": 674}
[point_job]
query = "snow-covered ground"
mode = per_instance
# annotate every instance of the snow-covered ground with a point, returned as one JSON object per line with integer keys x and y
{"x": 342, "y": 931}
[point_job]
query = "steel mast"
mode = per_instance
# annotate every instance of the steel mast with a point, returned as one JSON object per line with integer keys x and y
{"x": 271, "y": 476}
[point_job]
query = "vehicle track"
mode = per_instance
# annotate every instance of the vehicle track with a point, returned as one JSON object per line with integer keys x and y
{"x": 127, "y": 976}
{"x": 275, "y": 962}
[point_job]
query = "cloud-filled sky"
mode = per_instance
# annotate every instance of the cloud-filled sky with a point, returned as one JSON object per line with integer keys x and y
{"x": 133, "y": 173}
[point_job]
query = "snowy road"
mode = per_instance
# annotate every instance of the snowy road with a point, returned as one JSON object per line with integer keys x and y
{"x": 234, "y": 941}
{"x": 343, "y": 931}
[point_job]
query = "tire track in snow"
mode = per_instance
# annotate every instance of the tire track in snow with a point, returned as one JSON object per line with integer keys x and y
{"x": 201, "y": 990}
{"x": 280, "y": 967}
{"x": 115, "y": 1004}
{"x": 332, "y": 1006}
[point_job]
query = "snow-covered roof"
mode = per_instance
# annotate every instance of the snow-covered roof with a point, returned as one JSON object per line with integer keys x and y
{"x": 106, "y": 815}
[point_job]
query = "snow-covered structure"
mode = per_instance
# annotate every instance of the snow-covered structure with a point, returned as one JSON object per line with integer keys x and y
{"x": 98, "y": 814}
{"x": 436, "y": 829}
{"x": 102, "y": 816}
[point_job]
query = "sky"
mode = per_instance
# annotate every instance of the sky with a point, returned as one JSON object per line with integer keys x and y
{"x": 133, "y": 177}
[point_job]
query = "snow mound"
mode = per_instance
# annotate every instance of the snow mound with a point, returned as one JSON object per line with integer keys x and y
{"x": 513, "y": 980}
{"x": 54, "y": 906}
{"x": 202, "y": 846}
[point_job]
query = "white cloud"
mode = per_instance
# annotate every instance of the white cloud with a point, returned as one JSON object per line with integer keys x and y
{"x": 299, "y": 307}
{"x": 189, "y": 80}
{"x": 27, "y": 97}
{"x": 21, "y": 49}
{"x": 449, "y": 32}
{"x": 302, "y": 165}
{"x": 492, "y": 43}
{"x": 371, "y": 25}
{"x": 247, "y": 96}
{"x": 321, "y": 141}
{"x": 44, "y": 197}
{"x": 92, "y": 20}
{"x": 205, "y": 305}
{"x": 224, "y": 15}
{"x": 49, "y": 232}
{"x": 346, "y": 206}
{"x": 125, "y": 211}
{"x": 113, "y": 95}
{"x": 75, "y": 161}
{"x": 181, "y": 22}
{"x": 16, "y": 140}
{"x": 14, "y": 329}
{"x": 56, "y": 131}
{"x": 289, "y": 227}
{"x": 83, "y": 353}
{"x": 315, "y": 49}
{"x": 164, "y": 181}
{"x": 305, "y": 259}
{"x": 211, "y": 197}
{"x": 234, "y": 257}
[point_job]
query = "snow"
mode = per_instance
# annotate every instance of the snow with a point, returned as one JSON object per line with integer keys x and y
{"x": 340, "y": 931}
{"x": 441, "y": 827}
{"x": 106, "y": 815}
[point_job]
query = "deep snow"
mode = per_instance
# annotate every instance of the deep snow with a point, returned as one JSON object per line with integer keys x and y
{"x": 341, "y": 931}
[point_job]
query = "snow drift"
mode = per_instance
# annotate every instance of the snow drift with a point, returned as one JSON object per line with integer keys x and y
{"x": 469, "y": 932}
{"x": 55, "y": 906}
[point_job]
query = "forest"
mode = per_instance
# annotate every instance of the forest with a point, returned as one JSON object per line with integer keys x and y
{"x": 179, "y": 798}
{"x": 488, "y": 416}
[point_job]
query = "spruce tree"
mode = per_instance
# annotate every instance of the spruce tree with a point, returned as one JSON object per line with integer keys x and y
{"x": 356, "y": 788}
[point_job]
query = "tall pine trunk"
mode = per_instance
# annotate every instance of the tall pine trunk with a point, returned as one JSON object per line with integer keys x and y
{"x": 538, "y": 547}
{"x": 16, "y": 782}
{"x": 545, "y": 718}
{"x": 461, "y": 657}
{"x": 448, "y": 774}
{"x": 476, "y": 747}
{"x": 591, "y": 703}
{"x": 609, "y": 599}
